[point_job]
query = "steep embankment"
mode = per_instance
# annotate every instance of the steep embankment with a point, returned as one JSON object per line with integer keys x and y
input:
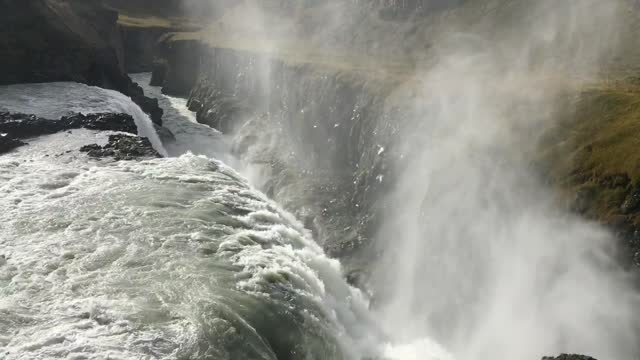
{"x": 56, "y": 40}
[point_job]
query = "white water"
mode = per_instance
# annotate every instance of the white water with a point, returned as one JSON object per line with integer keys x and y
{"x": 181, "y": 258}
{"x": 190, "y": 136}
{"x": 194, "y": 137}
{"x": 167, "y": 258}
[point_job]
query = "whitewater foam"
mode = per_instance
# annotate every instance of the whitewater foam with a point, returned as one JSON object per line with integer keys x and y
{"x": 165, "y": 258}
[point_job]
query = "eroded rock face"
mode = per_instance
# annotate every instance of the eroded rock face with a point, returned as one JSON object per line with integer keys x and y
{"x": 8, "y": 143}
{"x": 52, "y": 40}
{"x": 123, "y": 147}
{"x": 182, "y": 67}
{"x": 20, "y": 126}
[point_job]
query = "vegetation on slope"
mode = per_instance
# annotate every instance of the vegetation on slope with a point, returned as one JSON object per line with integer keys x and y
{"x": 592, "y": 155}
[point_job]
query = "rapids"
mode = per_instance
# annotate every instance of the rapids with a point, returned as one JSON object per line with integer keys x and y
{"x": 172, "y": 258}
{"x": 169, "y": 258}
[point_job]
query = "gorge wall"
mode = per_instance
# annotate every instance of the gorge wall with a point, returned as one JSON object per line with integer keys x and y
{"x": 454, "y": 156}
{"x": 56, "y": 40}
{"x": 319, "y": 140}
{"x": 324, "y": 135}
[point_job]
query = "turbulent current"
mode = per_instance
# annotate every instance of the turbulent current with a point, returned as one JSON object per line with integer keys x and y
{"x": 169, "y": 258}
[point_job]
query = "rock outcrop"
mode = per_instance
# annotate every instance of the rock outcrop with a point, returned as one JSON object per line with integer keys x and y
{"x": 180, "y": 69}
{"x": 123, "y": 147}
{"x": 20, "y": 126}
{"x": 15, "y": 126}
{"x": 8, "y": 143}
{"x": 56, "y": 40}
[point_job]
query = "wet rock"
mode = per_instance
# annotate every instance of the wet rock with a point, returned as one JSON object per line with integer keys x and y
{"x": 102, "y": 122}
{"x": 123, "y": 147}
{"x": 8, "y": 143}
{"x": 20, "y": 126}
{"x": 632, "y": 203}
{"x": 568, "y": 357}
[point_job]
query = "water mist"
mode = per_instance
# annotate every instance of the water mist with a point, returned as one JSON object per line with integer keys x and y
{"x": 476, "y": 252}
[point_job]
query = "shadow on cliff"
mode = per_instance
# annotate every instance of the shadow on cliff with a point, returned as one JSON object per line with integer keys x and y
{"x": 56, "y": 40}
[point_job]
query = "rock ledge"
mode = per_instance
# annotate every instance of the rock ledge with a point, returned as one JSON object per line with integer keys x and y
{"x": 123, "y": 147}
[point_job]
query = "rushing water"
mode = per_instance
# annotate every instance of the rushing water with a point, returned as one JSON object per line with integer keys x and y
{"x": 168, "y": 258}
{"x": 189, "y": 135}
{"x": 173, "y": 258}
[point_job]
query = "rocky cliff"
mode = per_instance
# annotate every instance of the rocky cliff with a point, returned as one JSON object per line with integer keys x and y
{"x": 57, "y": 40}
{"x": 319, "y": 137}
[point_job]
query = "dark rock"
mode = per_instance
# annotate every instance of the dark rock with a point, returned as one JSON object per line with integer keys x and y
{"x": 147, "y": 104}
{"x": 102, "y": 122}
{"x": 182, "y": 65}
{"x": 632, "y": 203}
{"x": 53, "y": 40}
{"x": 139, "y": 43}
{"x": 216, "y": 108}
{"x": 568, "y": 357}
{"x": 615, "y": 181}
{"x": 8, "y": 143}
{"x": 21, "y": 126}
{"x": 123, "y": 147}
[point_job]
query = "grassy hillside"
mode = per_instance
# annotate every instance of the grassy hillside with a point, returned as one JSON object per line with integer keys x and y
{"x": 593, "y": 154}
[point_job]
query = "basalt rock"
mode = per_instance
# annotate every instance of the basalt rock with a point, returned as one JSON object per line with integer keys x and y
{"x": 20, "y": 126}
{"x": 123, "y": 147}
{"x": 139, "y": 43}
{"x": 181, "y": 68}
{"x": 8, "y": 143}
{"x": 158, "y": 73}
